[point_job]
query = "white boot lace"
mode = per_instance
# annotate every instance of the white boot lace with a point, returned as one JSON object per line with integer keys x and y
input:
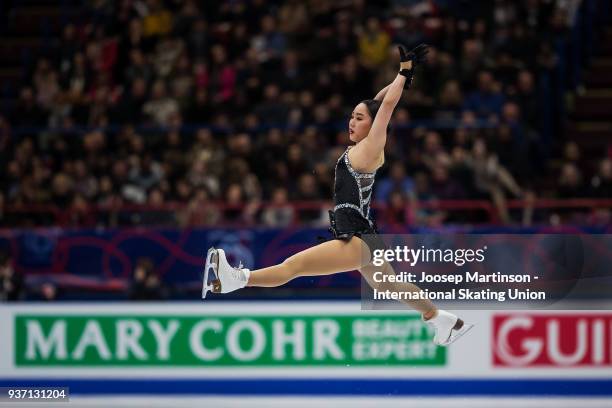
{"x": 237, "y": 273}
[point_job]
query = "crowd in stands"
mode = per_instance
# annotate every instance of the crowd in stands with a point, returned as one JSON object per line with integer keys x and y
{"x": 144, "y": 284}
{"x": 243, "y": 102}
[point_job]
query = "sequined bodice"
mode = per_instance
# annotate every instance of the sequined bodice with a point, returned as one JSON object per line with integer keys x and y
{"x": 352, "y": 189}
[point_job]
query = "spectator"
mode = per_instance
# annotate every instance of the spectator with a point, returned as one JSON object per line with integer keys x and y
{"x": 488, "y": 100}
{"x": 139, "y": 67}
{"x": 145, "y": 173}
{"x": 234, "y": 200}
{"x": 571, "y": 184}
{"x": 28, "y": 112}
{"x": 601, "y": 184}
{"x": 396, "y": 181}
{"x": 443, "y": 186}
{"x": 49, "y": 292}
{"x": 428, "y": 215}
{"x": 572, "y": 153}
{"x": 167, "y": 53}
{"x": 145, "y": 283}
{"x": 155, "y": 214}
{"x": 439, "y": 68}
{"x": 270, "y": 44}
{"x": 527, "y": 99}
{"x": 222, "y": 77}
{"x": 130, "y": 107}
{"x": 11, "y": 281}
{"x": 307, "y": 188}
{"x": 292, "y": 74}
{"x": 200, "y": 177}
{"x": 107, "y": 193}
{"x": 85, "y": 183}
{"x": 3, "y": 217}
{"x": 79, "y": 213}
{"x": 186, "y": 17}
{"x": 510, "y": 152}
{"x": 506, "y": 68}
{"x": 293, "y": 18}
{"x": 46, "y": 84}
{"x": 449, "y": 105}
{"x": 296, "y": 162}
{"x": 62, "y": 191}
{"x": 161, "y": 108}
{"x": 271, "y": 110}
{"x": 158, "y": 20}
{"x": 134, "y": 38}
{"x": 492, "y": 179}
{"x": 307, "y": 192}
{"x": 373, "y": 44}
{"x": 200, "y": 212}
{"x": 470, "y": 63}
{"x": 279, "y": 214}
{"x": 397, "y": 209}
{"x": 345, "y": 38}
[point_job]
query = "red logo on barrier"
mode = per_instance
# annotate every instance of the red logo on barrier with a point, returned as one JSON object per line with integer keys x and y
{"x": 560, "y": 340}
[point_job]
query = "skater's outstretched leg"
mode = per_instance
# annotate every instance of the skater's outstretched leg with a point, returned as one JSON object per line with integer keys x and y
{"x": 333, "y": 257}
{"x": 324, "y": 259}
{"x": 425, "y": 306}
{"x": 447, "y": 326}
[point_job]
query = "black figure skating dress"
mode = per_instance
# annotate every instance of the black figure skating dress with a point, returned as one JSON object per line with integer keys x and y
{"x": 352, "y": 197}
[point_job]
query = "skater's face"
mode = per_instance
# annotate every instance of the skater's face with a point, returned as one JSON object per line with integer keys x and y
{"x": 360, "y": 123}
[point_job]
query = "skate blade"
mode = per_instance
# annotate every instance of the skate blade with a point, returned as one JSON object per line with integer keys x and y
{"x": 457, "y": 334}
{"x": 212, "y": 260}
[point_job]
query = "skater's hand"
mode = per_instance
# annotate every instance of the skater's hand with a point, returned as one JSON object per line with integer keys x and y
{"x": 410, "y": 59}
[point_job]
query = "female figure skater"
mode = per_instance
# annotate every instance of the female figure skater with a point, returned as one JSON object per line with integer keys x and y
{"x": 353, "y": 229}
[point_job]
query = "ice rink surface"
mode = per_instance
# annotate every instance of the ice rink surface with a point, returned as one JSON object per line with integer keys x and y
{"x": 321, "y": 402}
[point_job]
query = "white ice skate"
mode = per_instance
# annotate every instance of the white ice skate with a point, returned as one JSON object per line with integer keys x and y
{"x": 448, "y": 328}
{"x": 226, "y": 278}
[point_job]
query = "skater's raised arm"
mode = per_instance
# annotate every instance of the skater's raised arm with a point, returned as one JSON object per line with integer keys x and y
{"x": 375, "y": 141}
{"x": 381, "y": 94}
{"x": 366, "y": 155}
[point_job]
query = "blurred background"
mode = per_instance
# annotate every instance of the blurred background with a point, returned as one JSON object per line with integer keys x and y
{"x": 135, "y": 134}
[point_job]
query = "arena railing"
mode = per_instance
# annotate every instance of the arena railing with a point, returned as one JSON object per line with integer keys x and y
{"x": 248, "y": 215}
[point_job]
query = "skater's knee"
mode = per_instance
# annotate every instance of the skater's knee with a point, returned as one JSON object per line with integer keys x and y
{"x": 294, "y": 265}
{"x": 379, "y": 278}
{"x": 369, "y": 249}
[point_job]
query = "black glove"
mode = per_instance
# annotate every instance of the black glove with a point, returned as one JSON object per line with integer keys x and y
{"x": 409, "y": 60}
